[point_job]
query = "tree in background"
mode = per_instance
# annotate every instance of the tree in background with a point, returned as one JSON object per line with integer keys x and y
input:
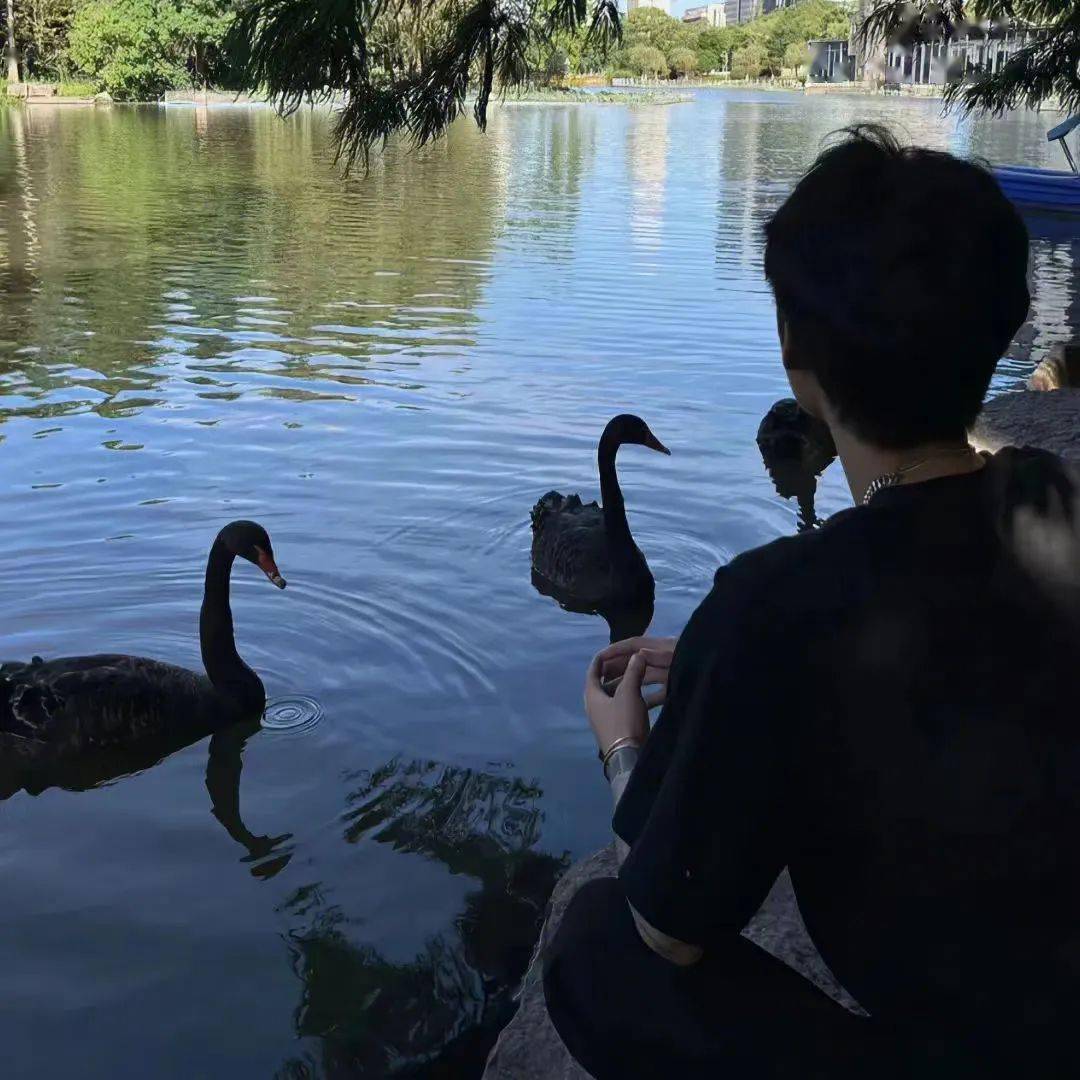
{"x": 42, "y": 35}
{"x": 720, "y": 43}
{"x": 749, "y": 61}
{"x": 9, "y": 45}
{"x": 556, "y": 66}
{"x": 796, "y": 56}
{"x": 813, "y": 19}
{"x": 1048, "y": 67}
{"x": 683, "y": 61}
{"x": 648, "y": 61}
{"x": 138, "y": 49}
{"x": 650, "y": 26}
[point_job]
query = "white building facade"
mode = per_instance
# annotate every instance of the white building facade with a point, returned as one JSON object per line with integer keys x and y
{"x": 714, "y": 15}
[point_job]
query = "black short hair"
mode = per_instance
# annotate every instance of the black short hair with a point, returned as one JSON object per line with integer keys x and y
{"x": 901, "y": 275}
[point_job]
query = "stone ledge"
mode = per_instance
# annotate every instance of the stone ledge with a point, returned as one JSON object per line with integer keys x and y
{"x": 529, "y": 1047}
{"x": 1049, "y": 420}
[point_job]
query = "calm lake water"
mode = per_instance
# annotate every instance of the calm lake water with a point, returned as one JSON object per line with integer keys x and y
{"x": 202, "y": 321}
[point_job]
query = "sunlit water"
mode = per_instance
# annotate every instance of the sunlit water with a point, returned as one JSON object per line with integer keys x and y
{"x": 202, "y": 321}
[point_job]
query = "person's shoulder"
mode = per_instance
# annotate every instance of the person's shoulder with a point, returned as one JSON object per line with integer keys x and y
{"x": 774, "y": 564}
{"x": 767, "y": 589}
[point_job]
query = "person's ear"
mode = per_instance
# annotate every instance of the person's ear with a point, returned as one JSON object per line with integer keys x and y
{"x": 785, "y": 339}
{"x": 807, "y": 391}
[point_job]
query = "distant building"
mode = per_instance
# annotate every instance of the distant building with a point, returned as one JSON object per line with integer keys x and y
{"x": 737, "y": 12}
{"x": 714, "y": 15}
{"x": 933, "y": 63}
{"x": 660, "y": 5}
{"x": 830, "y": 61}
{"x": 976, "y": 47}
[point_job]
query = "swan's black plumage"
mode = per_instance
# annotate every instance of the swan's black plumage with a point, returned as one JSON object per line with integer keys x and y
{"x": 60, "y": 709}
{"x": 584, "y": 551}
{"x": 795, "y": 448}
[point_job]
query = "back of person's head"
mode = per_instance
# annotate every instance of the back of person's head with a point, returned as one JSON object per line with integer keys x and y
{"x": 900, "y": 275}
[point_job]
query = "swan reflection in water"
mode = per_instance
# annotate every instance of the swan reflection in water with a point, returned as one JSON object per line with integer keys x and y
{"x": 223, "y": 768}
{"x": 439, "y": 1013}
{"x": 796, "y": 449}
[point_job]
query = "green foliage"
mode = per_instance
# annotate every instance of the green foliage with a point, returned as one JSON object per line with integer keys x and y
{"x": 647, "y": 60}
{"x": 41, "y": 32}
{"x": 1047, "y": 68}
{"x": 767, "y": 38}
{"x": 804, "y": 22}
{"x": 650, "y": 26}
{"x": 708, "y": 61}
{"x": 138, "y": 49}
{"x": 557, "y": 65}
{"x": 749, "y": 61}
{"x": 76, "y": 89}
{"x": 683, "y": 61}
{"x": 796, "y": 55}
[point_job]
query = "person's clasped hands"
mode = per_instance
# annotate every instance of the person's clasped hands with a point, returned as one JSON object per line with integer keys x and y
{"x": 623, "y": 683}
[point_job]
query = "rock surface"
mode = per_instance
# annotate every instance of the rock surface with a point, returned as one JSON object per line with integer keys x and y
{"x": 1059, "y": 370}
{"x": 530, "y": 1047}
{"x": 1049, "y": 420}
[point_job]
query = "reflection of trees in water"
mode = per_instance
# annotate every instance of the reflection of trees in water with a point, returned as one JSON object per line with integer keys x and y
{"x": 225, "y": 243}
{"x": 438, "y": 1013}
{"x": 553, "y": 150}
{"x": 745, "y": 200}
{"x": 647, "y": 153}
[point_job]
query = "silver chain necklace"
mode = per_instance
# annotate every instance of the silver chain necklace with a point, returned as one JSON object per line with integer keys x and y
{"x": 891, "y": 479}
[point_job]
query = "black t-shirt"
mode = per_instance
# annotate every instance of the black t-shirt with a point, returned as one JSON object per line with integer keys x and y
{"x": 888, "y": 706}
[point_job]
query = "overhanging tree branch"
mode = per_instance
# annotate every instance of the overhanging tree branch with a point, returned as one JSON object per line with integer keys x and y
{"x": 406, "y": 67}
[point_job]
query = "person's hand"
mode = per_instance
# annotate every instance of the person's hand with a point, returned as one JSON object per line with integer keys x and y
{"x": 619, "y": 715}
{"x": 655, "y": 651}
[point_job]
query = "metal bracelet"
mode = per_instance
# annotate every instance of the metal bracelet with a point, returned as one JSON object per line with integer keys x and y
{"x": 626, "y": 740}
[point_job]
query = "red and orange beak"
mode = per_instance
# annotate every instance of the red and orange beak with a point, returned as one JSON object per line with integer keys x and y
{"x": 653, "y": 443}
{"x": 269, "y": 568}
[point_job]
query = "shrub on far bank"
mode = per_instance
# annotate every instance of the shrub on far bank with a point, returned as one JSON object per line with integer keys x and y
{"x": 76, "y": 89}
{"x": 138, "y": 49}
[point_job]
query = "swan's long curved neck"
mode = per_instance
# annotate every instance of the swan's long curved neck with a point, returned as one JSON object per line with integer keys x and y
{"x": 620, "y": 542}
{"x": 226, "y": 671}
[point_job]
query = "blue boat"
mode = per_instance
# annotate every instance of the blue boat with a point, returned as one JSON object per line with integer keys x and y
{"x": 1052, "y": 190}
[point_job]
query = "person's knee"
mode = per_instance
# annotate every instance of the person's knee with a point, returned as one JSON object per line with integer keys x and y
{"x": 575, "y": 970}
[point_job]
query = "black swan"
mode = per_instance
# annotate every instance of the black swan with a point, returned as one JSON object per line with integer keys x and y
{"x": 59, "y": 709}
{"x": 583, "y": 554}
{"x": 796, "y": 448}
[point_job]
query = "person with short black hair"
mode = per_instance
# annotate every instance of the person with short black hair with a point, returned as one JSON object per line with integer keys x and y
{"x": 885, "y": 706}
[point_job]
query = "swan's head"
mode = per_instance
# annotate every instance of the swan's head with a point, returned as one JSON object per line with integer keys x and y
{"x": 627, "y": 428}
{"x": 249, "y": 540}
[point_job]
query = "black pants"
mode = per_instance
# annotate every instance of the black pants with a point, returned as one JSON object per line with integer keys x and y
{"x": 623, "y": 1011}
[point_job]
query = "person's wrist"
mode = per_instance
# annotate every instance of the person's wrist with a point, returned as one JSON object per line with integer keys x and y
{"x": 614, "y": 745}
{"x": 620, "y": 760}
